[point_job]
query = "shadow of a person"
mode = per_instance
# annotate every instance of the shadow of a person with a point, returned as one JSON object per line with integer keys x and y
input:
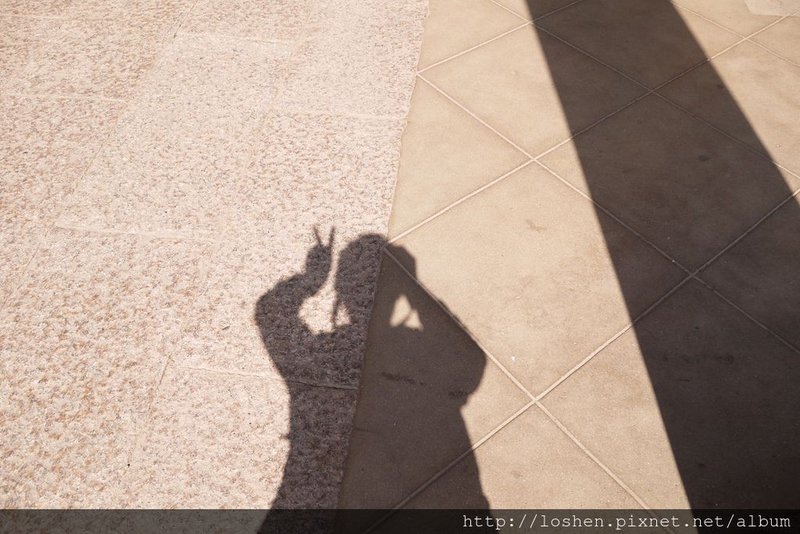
{"x": 417, "y": 374}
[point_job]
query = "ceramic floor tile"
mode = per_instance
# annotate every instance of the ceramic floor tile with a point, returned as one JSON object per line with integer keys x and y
{"x": 687, "y": 188}
{"x": 703, "y": 399}
{"x": 445, "y": 154}
{"x": 477, "y": 21}
{"x": 508, "y": 84}
{"x": 735, "y": 16}
{"x": 351, "y": 63}
{"x": 281, "y": 446}
{"x": 530, "y": 463}
{"x": 84, "y": 340}
{"x": 759, "y": 274}
{"x": 250, "y": 19}
{"x": 418, "y": 361}
{"x": 535, "y": 281}
{"x": 783, "y": 38}
{"x": 650, "y": 41}
{"x": 762, "y": 115}
{"x": 534, "y": 8}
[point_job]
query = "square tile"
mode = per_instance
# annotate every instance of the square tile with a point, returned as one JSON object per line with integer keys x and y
{"x": 477, "y": 21}
{"x": 650, "y": 41}
{"x": 730, "y": 93}
{"x": 352, "y": 63}
{"x": 418, "y": 361}
{"x": 445, "y": 155}
{"x": 684, "y": 186}
{"x": 783, "y": 38}
{"x": 700, "y": 396}
{"x": 250, "y": 19}
{"x": 530, "y": 463}
{"x": 531, "y": 9}
{"x": 281, "y": 446}
{"x": 735, "y": 16}
{"x": 508, "y": 84}
{"x": 537, "y": 273}
{"x": 759, "y": 274}
{"x": 84, "y": 340}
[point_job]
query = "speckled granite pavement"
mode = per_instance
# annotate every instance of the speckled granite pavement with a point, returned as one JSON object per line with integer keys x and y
{"x": 164, "y": 339}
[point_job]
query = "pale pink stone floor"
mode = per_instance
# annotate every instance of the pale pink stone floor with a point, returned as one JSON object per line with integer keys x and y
{"x": 164, "y": 166}
{"x": 588, "y": 295}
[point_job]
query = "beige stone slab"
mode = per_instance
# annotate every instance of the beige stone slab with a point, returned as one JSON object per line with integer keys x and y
{"x": 531, "y": 9}
{"x": 508, "y": 84}
{"x": 535, "y": 282}
{"x": 530, "y": 463}
{"x": 84, "y": 340}
{"x": 250, "y": 19}
{"x": 783, "y": 38}
{"x": 650, "y": 41}
{"x": 760, "y": 273}
{"x": 477, "y": 21}
{"x": 734, "y": 15}
{"x": 359, "y": 57}
{"x": 281, "y": 447}
{"x": 418, "y": 361}
{"x": 445, "y": 154}
{"x": 762, "y": 115}
{"x": 684, "y": 186}
{"x": 701, "y": 397}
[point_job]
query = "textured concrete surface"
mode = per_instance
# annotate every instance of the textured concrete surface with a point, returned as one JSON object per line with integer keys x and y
{"x": 174, "y": 332}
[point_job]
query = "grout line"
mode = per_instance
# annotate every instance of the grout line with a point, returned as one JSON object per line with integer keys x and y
{"x": 774, "y": 53}
{"x": 746, "y": 233}
{"x": 461, "y": 325}
{"x": 743, "y": 312}
{"x": 470, "y": 49}
{"x": 471, "y": 114}
{"x": 613, "y": 338}
{"x": 520, "y": 15}
{"x": 594, "y": 458}
{"x": 444, "y": 210}
{"x": 269, "y": 377}
{"x": 163, "y": 234}
{"x": 60, "y": 96}
{"x": 614, "y": 217}
{"x": 761, "y": 153}
{"x": 454, "y": 462}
